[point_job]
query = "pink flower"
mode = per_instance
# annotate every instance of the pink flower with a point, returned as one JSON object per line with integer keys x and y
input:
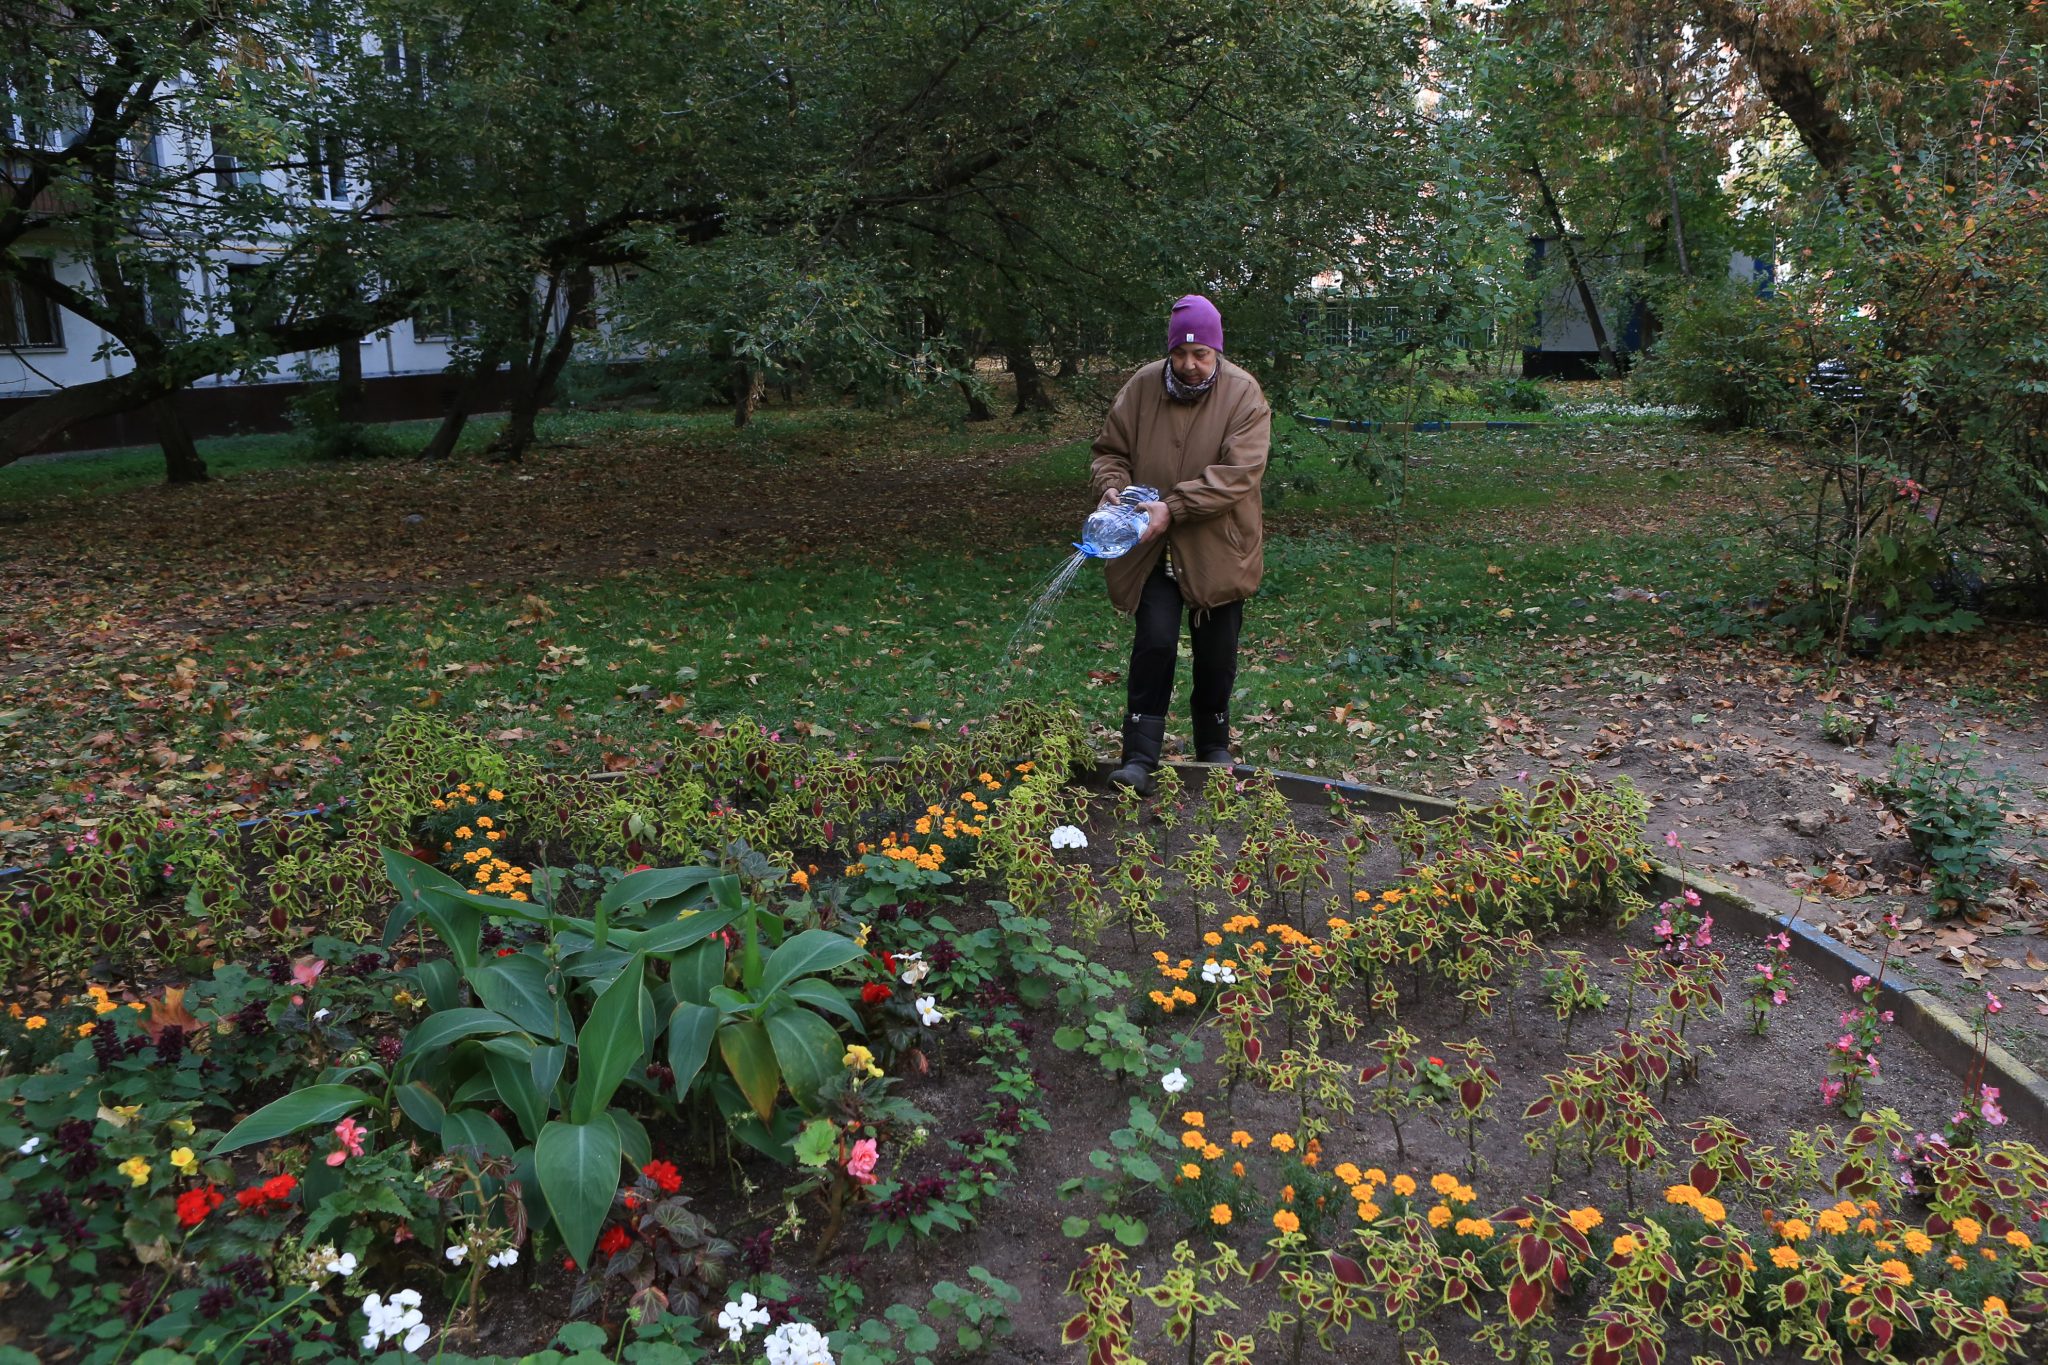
{"x": 1781, "y": 941}
{"x": 861, "y": 1164}
{"x": 1992, "y": 1004}
{"x": 307, "y": 970}
{"x": 1886, "y": 1017}
{"x": 349, "y": 1134}
{"x": 1671, "y": 838}
{"x": 1663, "y": 929}
{"x": 1859, "y": 983}
{"x": 1778, "y": 996}
{"x": 1692, "y": 897}
{"x": 1705, "y": 934}
{"x": 1988, "y": 1107}
{"x": 1845, "y": 1044}
{"x": 1830, "y": 1091}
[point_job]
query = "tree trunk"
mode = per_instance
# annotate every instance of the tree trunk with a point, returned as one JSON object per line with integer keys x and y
{"x": 1032, "y": 395}
{"x": 1788, "y": 79}
{"x": 1571, "y": 259}
{"x": 536, "y": 379}
{"x": 351, "y": 399}
{"x": 1070, "y": 366}
{"x": 468, "y": 394}
{"x": 747, "y": 384}
{"x": 182, "y": 461}
{"x": 28, "y": 429}
{"x": 977, "y": 406}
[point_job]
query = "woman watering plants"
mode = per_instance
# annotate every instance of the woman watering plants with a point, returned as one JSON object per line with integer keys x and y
{"x": 1197, "y": 427}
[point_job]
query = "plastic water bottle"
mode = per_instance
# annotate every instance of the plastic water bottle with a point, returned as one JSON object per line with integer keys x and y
{"x": 1111, "y": 531}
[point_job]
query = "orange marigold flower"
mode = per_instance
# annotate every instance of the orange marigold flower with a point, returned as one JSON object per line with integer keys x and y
{"x": 1286, "y": 1221}
{"x": 1219, "y": 1214}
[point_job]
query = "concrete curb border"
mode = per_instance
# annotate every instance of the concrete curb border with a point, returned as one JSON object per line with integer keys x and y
{"x": 1919, "y": 1012}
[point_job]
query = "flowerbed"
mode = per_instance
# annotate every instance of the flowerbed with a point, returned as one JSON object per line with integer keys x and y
{"x": 719, "y": 1060}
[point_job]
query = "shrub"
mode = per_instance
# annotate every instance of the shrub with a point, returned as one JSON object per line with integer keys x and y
{"x": 1726, "y": 351}
{"x": 1951, "y": 810}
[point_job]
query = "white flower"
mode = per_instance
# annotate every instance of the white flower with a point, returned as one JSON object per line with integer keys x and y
{"x": 508, "y": 1257}
{"x": 343, "y": 1265}
{"x": 399, "y": 1317}
{"x": 918, "y": 969}
{"x": 928, "y": 1010}
{"x": 1174, "y": 1081}
{"x": 1068, "y": 836}
{"x": 1215, "y": 973}
{"x": 28, "y": 1148}
{"x": 797, "y": 1343}
{"x": 741, "y": 1316}
{"x": 456, "y": 1253}
{"x": 318, "y": 1015}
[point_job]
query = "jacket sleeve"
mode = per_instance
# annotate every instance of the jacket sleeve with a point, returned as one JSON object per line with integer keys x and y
{"x": 1237, "y": 472}
{"x": 1111, "y": 466}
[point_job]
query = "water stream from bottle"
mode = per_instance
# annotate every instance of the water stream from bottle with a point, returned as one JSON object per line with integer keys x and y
{"x": 1047, "y": 593}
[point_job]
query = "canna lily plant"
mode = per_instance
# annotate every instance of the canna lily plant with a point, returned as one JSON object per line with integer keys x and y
{"x": 672, "y": 964}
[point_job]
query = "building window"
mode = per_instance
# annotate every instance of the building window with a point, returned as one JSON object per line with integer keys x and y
{"x": 229, "y": 168}
{"x": 435, "y": 324}
{"x": 248, "y": 301}
{"x": 29, "y": 318}
{"x": 326, "y": 164}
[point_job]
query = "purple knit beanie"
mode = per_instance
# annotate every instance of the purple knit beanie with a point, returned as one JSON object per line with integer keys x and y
{"x": 1196, "y": 320}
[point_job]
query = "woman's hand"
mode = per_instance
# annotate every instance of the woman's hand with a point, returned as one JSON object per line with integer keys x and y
{"x": 1110, "y": 499}
{"x": 1157, "y": 516}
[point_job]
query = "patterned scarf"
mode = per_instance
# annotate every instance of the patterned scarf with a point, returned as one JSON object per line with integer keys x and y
{"x": 1188, "y": 393}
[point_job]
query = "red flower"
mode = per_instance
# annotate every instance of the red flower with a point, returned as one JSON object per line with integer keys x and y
{"x": 631, "y": 1201}
{"x": 615, "y": 1240}
{"x": 664, "y": 1174}
{"x": 506, "y": 952}
{"x": 874, "y": 993}
{"x": 275, "y": 1190}
{"x": 194, "y": 1205}
{"x": 1436, "y": 1061}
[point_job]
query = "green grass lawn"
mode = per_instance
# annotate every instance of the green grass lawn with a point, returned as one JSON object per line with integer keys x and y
{"x": 1380, "y": 641}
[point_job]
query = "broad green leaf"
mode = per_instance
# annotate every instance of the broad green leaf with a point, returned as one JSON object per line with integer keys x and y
{"x": 656, "y": 883}
{"x": 608, "y": 1044}
{"x": 513, "y": 1078}
{"x": 443, "y": 1027}
{"x": 547, "y": 1069}
{"x": 817, "y": 1143}
{"x": 633, "y": 1139}
{"x": 409, "y": 877}
{"x": 474, "y": 1129}
{"x": 807, "y": 1048}
{"x": 458, "y": 921}
{"x": 690, "y": 1030}
{"x": 577, "y": 1165}
{"x": 309, "y": 1108}
{"x": 518, "y": 988}
{"x": 440, "y": 983}
{"x": 420, "y": 1104}
{"x": 696, "y": 970}
{"x": 825, "y": 996}
{"x": 806, "y": 954}
{"x": 676, "y": 934}
{"x": 750, "y": 1057}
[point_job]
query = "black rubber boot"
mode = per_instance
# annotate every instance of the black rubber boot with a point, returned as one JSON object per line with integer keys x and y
{"x": 1144, "y": 736}
{"x": 1212, "y": 738}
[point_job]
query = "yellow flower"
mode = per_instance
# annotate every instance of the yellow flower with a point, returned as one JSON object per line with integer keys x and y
{"x": 483, "y": 822}
{"x": 1190, "y": 1171}
{"x": 495, "y": 794}
{"x": 1443, "y": 1182}
{"x": 1784, "y": 1257}
{"x": 1682, "y": 1194}
{"x": 1866, "y": 1226}
{"x": 1210, "y": 1151}
{"x": 1283, "y": 1142}
{"x": 1896, "y": 1272}
{"x": 1286, "y": 1221}
{"x": 1711, "y": 1209}
{"x": 1193, "y": 1140}
{"x": 1404, "y": 1185}
{"x": 34, "y": 1022}
{"x": 1347, "y": 1173}
{"x": 1968, "y": 1230}
{"x": 1626, "y": 1245}
{"x": 2017, "y": 1240}
{"x": 185, "y": 1160}
{"x": 85, "y": 1029}
{"x": 1956, "y": 1262}
{"x": 1831, "y": 1222}
{"x": 182, "y": 1126}
{"x": 861, "y": 1062}
{"x": 1240, "y": 1138}
{"x": 1219, "y": 1214}
{"x": 1994, "y": 1307}
{"x": 1473, "y": 1227}
{"x": 1794, "y": 1230}
{"x": 464, "y": 832}
{"x": 1367, "y": 1211}
{"x": 136, "y": 1169}
{"x": 1585, "y": 1220}
{"x": 1375, "y": 1176}
{"x": 1462, "y": 1194}
{"x": 1917, "y": 1242}
{"x": 1439, "y": 1215}
{"x": 1987, "y": 1253}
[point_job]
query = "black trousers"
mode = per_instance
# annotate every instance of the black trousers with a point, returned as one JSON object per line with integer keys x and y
{"x": 1157, "y": 641}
